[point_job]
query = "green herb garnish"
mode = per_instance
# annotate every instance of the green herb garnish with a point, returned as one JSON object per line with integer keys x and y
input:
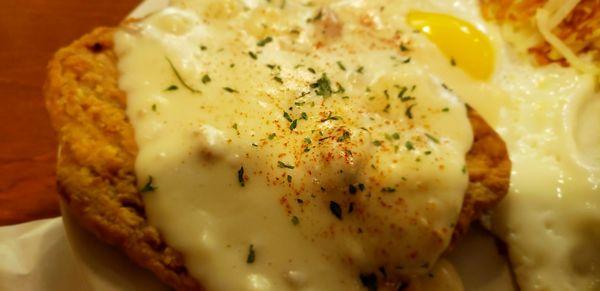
{"x": 264, "y": 41}
{"x": 369, "y": 281}
{"x": 295, "y": 220}
{"x": 206, "y": 79}
{"x": 388, "y": 189}
{"x": 149, "y": 187}
{"x": 253, "y": 55}
{"x": 180, "y": 78}
{"x": 287, "y": 116}
{"x": 294, "y": 124}
{"x": 283, "y": 165}
{"x": 251, "y": 255}
{"x": 335, "y": 209}
{"x": 240, "y": 174}
{"x": 408, "y": 111}
{"x": 432, "y": 138}
{"x": 330, "y": 117}
{"x": 230, "y": 90}
{"x": 323, "y": 86}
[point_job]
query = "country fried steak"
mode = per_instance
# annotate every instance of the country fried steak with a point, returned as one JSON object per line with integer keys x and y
{"x": 96, "y": 176}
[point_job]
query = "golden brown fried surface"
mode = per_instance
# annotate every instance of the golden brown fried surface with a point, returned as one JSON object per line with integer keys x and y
{"x": 97, "y": 153}
{"x": 580, "y": 30}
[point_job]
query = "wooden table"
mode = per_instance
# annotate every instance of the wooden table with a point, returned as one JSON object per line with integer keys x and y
{"x": 30, "y": 31}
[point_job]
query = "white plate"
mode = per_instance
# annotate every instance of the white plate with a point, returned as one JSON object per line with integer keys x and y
{"x": 105, "y": 268}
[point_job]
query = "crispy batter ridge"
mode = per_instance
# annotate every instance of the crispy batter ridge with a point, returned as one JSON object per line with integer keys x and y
{"x": 97, "y": 154}
{"x": 489, "y": 173}
{"x": 580, "y": 30}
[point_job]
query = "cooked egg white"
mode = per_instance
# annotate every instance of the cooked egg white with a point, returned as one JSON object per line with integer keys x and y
{"x": 550, "y": 118}
{"x": 309, "y": 145}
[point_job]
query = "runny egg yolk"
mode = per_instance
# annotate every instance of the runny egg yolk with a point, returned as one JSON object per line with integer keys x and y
{"x": 466, "y": 46}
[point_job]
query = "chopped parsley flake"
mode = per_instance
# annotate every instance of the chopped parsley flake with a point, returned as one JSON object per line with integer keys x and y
{"x": 154, "y": 107}
{"x": 323, "y": 86}
{"x": 360, "y": 70}
{"x": 387, "y": 108}
{"x": 312, "y": 70}
{"x": 403, "y": 47}
{"x": 341, "y": 66}
{"x": 304, "y": 116}
{"x": 149, "y": 187}
{"x": 377, "y": 142}
{"x": 335, "y": 209}
{"x": 251, "y": 255}
{"x": 230, "y": 90}
{"x": 294, "y": 124}
{"x": 432, "y": 138}
{"x": 452, "y": 62}
{"x": 240, "y": 174}
{"x": 172, "y": 88}
{"x": 446, "y": 87}
{"x": 295, "y": 220}
{"x": 287, "y": 116}
{"x": 340, "y": 89}
{"x": 278, "y": 79}
{"x": 401, "y": 94}
{"x": 345, "y": 136}
{"x": 446, "y": 109}
{"x": 408, "y": 111}
{"x": 283, "y": 165}
{"x": 264, "y": 41}
{"x": 206, "y": 79}
{"x": 253, "y": 55}
{"x": 352, "y": 189}
{"x": 369, "y": 281}
{"x": 388, "y": 189}
{"x": 316, "y": 17}
{"x": 330, "y": 117}
{"x": 272, "y": 136}
{"x": 361, "y": 187}
{"x": 180, "y": 78}
{"x": 409, "y": 145}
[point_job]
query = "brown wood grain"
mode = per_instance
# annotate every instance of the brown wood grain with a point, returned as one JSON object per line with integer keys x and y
{"x": 30, "y": 32}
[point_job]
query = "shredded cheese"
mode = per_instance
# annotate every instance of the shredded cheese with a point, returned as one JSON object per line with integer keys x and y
{"x": 550, "y": 16}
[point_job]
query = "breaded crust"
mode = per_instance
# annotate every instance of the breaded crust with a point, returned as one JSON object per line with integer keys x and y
{"x": 97, "y": 154}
